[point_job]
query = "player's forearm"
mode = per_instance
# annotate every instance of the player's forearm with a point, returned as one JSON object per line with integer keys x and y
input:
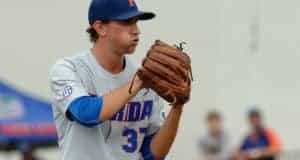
{"x": 165, "y": 137}
{"x": 117, "y": 98}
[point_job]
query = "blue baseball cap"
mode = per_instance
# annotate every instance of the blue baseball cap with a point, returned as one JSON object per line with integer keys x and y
{"x": 116, "y": 10}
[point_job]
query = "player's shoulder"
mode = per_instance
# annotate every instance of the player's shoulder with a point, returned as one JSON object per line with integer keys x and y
{"x": 67, "y": 64}
{"x": 270, "y": 132}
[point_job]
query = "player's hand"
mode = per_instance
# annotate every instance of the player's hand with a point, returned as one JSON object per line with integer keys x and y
{"x": 136, "y": 84}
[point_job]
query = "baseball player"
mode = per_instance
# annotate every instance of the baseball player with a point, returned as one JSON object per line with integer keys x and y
{"x": 95, "y": 114}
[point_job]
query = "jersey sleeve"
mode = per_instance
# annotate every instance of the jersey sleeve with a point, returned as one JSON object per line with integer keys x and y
{"x": 274, "y": 139}
{"x": 65, "y": 85}
{"x": 158, "y": 116}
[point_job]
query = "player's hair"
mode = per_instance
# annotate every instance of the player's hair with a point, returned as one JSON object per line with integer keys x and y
{"x": 214, "y": 114}
{"x": 93, "y": 35}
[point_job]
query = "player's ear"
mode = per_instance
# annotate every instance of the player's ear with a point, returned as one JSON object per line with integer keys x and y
{"x": 100, "y": 28}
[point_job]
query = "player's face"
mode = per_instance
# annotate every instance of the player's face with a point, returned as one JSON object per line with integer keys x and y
{"x": 215, "y": 125}
{"x": 255, "y": 122}
{"x": 123, "y": 36}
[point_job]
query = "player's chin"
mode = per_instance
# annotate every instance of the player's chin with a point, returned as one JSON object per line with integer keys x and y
{"x": 131, "y": 49}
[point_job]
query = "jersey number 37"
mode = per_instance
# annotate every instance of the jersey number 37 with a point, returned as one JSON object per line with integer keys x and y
{"x": 132, "y": 139}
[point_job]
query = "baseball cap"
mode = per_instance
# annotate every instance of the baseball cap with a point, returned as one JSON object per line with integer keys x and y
{"x": 116, "y": 10}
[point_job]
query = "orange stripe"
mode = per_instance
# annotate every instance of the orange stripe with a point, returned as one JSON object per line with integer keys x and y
{"x": 273, "y": 139}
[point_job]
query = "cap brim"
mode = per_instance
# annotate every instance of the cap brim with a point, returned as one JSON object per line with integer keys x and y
{"x": 146, "y": 15}
{"x": 140, "y": 15}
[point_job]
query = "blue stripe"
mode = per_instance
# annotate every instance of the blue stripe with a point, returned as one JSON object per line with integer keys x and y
{"x": 86, "y": 110}
{"x": 146, "y": 149}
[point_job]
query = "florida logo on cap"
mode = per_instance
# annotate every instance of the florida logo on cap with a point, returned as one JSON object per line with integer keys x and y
{"x": 131, "y": 3}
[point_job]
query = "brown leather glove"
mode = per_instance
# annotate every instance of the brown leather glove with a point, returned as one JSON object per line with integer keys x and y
{"x": 167, "y": 70}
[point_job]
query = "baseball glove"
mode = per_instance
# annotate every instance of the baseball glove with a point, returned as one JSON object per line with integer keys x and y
{"x": 167, "y": 70}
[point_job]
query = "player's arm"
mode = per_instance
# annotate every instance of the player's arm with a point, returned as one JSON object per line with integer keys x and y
{"x": 164, "y": 138}
{"x": 74, "y": 100}
{"x": 92, "y": 110}
{"x": 275, "y": 145}
{"x": 162, "y": 141}
{"x": 117, "y": 98}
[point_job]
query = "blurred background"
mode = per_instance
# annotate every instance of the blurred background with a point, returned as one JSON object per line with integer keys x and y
{"x": 244, "y": 53}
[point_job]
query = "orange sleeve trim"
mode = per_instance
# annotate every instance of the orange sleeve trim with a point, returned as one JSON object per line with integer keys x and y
{"x": 273, "y": 139}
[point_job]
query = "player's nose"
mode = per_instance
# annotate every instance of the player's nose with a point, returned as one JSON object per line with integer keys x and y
{"x": 136, "y": 29}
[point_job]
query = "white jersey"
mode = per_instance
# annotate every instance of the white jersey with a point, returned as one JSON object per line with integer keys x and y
{"x": 117, "y": 139}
